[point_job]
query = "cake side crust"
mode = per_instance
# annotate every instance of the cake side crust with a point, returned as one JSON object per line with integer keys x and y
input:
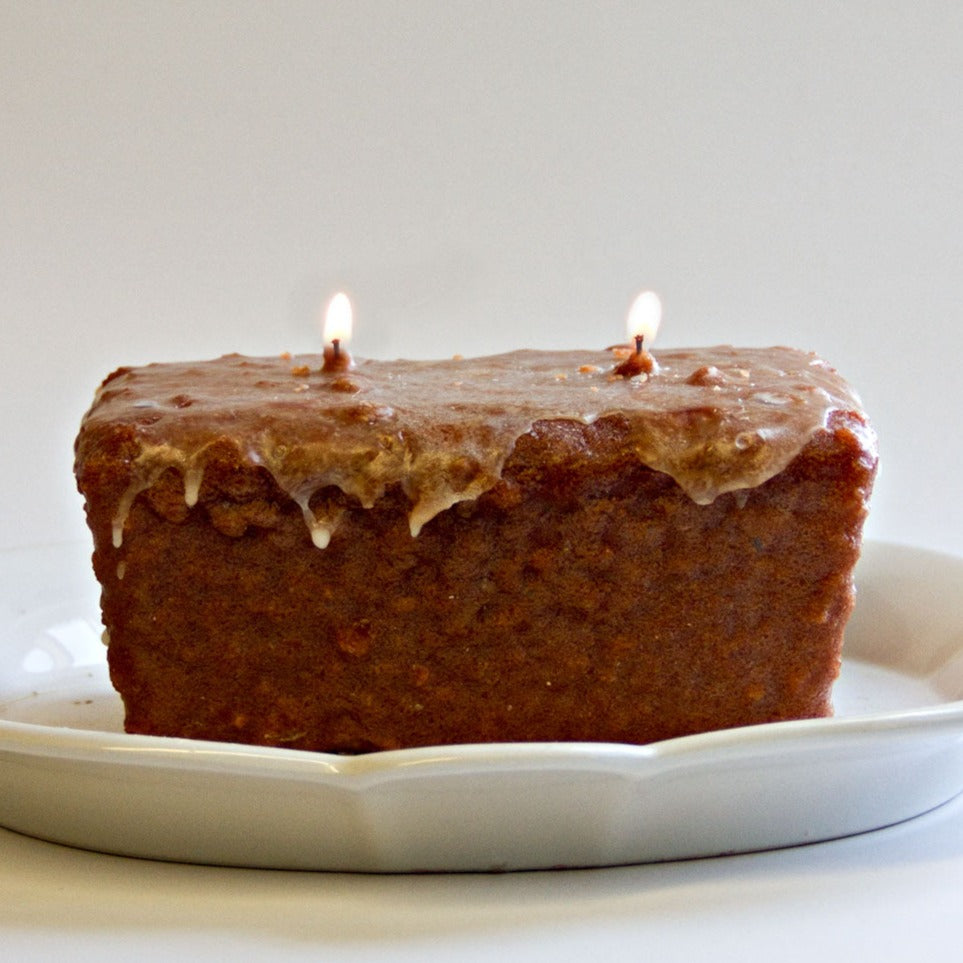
{"x": 582, "y": 596}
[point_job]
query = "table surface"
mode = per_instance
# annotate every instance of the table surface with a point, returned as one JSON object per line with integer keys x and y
{"x": 893, "y": 894}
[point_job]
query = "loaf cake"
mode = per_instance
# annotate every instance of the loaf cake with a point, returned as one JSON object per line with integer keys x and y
{"x": 524, "y": 547}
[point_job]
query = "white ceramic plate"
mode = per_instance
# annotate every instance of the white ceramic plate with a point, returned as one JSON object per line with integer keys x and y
{"x": 68, "y": 773}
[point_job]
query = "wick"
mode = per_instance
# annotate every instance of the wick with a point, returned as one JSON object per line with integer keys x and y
{"x": 336, "y": 358}
{"x": 640, "y": 363}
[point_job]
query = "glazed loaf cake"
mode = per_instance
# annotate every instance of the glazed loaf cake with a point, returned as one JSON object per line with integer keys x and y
{"x": 514, "y": 548}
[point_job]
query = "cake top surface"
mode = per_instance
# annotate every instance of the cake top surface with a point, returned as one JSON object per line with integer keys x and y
{"x": 715, "y": 419}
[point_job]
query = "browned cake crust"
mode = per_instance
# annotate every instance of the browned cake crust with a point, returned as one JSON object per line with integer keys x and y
{"x": 576, "y": 593}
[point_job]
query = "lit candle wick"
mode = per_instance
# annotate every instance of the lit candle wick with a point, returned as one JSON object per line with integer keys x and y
{"x": 337, "y": 329}
{"x": 644, "y": 318}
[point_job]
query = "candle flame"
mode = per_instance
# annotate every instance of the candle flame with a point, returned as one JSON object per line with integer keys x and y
{"x": 645, "y": 316}
{"x": 337, "y": 320}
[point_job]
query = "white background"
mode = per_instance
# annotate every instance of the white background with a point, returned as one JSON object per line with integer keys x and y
{"x": 183, "y": 180}
{"x": 186, "y": 179}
